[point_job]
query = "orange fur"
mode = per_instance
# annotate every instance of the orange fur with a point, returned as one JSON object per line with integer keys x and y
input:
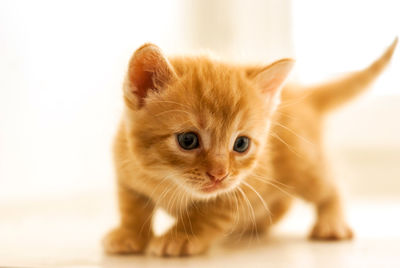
{"x": 213, "y": 190}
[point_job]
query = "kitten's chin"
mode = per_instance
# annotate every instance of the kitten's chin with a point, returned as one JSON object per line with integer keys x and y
{"x": 213, "y": 190}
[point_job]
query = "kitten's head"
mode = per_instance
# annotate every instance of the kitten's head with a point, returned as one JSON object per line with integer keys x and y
{"x": 199, "y": 123}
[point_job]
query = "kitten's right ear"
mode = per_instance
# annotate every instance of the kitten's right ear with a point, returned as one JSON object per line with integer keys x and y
{"x": 148, "y": 71}
{"x": 271, "y": 79}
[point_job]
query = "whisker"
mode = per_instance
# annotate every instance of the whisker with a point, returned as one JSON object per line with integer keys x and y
{"x": 156, "y": 205}
{"x": 237, "y": 218}
{"x": 294, "y": 133}
{"x": 165, "y": 179}
{"x": 261, "y": 199}
{"x": 170, "y": 207}
{"x": 173, "y": 195}
{"x": 276, "y": 186}
{"x": 251, "y": 207}
{"x": 151, "y": 199}
{"x": 265, "y": 179}
{"x": 164, "y": 195}
{"x": 188, "y": 216}
{"x": 181, "y": 207}
{"x": 230, "y": 199}
{"x": 288, "y": 146}
{"x": 286, "y": 114}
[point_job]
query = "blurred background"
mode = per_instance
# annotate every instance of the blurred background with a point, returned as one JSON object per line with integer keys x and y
{"x": 62, "y": 64}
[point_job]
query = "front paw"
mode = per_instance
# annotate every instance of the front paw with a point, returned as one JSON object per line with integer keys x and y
{"x": 124, "y": 241}
{"x": 331, "y": 229}
{"x": 176, "y": 244}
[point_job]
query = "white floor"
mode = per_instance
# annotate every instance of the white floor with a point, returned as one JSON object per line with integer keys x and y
{"x": 66, "y": 233}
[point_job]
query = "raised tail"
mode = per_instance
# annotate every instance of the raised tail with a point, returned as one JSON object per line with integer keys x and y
{"x": 334, "y": 93}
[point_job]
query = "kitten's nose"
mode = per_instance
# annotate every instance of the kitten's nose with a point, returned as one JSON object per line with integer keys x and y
{"x": 218, "y": 174}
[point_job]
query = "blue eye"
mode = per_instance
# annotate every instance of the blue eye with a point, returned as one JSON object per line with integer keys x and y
{"x": 241, "y": 144}
{"x": 188, "y": 140}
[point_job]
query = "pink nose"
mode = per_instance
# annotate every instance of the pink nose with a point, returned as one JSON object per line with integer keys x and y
{"x": 217, "y": 174}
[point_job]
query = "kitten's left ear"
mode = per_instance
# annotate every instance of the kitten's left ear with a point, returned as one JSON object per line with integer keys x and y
{"x": 271, "y": 79}
{"x": 149, "y": 70}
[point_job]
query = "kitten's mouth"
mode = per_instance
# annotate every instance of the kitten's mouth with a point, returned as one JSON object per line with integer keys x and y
{"x": 212, "y": 187}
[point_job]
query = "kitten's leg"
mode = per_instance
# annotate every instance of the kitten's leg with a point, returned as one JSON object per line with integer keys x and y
{"x": 323, "y": 193}
{"x": 277, "y": 208}
{"x": 134, "y": 231}
{"x": 331, "y": 223}
{"x": 195, "y": 229}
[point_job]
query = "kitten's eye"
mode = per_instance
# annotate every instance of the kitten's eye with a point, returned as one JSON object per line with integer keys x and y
{"x": 241, "y": 144}
{"x": 188, "y": 140}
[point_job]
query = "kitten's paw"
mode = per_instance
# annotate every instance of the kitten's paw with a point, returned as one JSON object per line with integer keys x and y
{"x": 174, "y": 245}
{"x": 123, "y": 241}
{"x": 331, "y": 229}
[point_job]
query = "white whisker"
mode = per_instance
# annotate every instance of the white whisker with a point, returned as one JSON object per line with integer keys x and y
{"x": 294, "y": 133}
{"x": 261, "y": 199}
{"x": 288, "y": 146}
{"x": 272, "y": 184}
{"x": 251, "y": 207}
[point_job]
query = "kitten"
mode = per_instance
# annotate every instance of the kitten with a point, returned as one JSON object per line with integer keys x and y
{"x": 211, "y": 144}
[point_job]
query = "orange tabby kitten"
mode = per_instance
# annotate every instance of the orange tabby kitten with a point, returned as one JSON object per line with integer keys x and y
{"x": 211, "y": 144}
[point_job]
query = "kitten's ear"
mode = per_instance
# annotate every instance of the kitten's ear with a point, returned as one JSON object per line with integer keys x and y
{"x": 271, "y": 79}
{"x": 148, "y": 70}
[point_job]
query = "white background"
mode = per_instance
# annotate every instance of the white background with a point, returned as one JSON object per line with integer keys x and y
{"x": 62, "y": 64}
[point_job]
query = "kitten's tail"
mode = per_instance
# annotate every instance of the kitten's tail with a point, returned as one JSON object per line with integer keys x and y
{"x": 332, "y": 94}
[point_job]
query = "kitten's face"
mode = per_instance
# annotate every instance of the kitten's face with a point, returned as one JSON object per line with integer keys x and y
{"x": 204, "y": 130}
